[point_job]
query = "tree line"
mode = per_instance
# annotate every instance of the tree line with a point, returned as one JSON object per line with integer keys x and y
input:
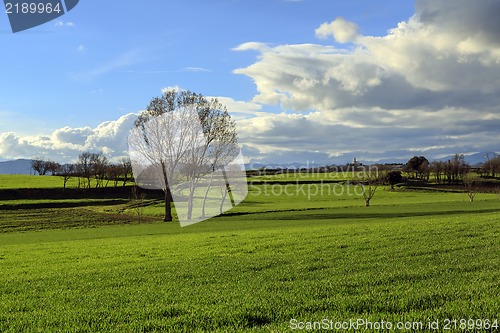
{"x": 450, "y": 171}
{"x": 91, "y": 170}
{"x": 454, "y": 170}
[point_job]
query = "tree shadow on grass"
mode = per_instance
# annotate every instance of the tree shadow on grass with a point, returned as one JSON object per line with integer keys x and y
{"x": 123, "y": 192}
{"x": 332, "y": 214}
{"x": 55, "y": 204}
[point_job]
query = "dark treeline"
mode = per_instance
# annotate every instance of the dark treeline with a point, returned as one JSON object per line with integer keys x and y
{"x": 91, "y": 169}
{"x": 95, "y": 170}
{"x": 452, "y": 171}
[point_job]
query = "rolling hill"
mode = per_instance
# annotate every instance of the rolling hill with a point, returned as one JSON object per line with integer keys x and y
{"x": 21, "y": 167}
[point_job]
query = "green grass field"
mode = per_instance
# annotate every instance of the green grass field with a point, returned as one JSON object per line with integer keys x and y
{"x": 26, "y": 181}
{"x": 273, "y": 262}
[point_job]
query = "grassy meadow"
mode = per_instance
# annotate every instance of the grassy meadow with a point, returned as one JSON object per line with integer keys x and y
{"x": 285, "y": 257}
{"x": 28, "y": 181}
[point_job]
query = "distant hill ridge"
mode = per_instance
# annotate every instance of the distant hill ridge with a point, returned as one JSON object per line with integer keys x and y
{"x": 17, "y": 167}
{"x": 23, "y": 166}
{"x": 472, "y": 159}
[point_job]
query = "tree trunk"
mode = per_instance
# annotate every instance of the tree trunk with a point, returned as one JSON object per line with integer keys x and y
{"x": 168, "y": 196}
{"x": 168, "y": 206}
{"x": 192, "y": 187}
{"x": 222, "y": 202}
{"x": 228, "y": 188}
{"x": 367, "y": 202}
{"x": 206, "y": 195}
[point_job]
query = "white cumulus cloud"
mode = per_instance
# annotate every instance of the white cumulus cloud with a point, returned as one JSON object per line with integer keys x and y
{"x": 431, "y": 84}
{"x": 340, "y": 29}
{"x": 65, "y": 144}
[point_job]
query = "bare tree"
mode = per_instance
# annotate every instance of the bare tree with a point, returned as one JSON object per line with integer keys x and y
{"x": 66, "y": 172}
{"x": 369, "y": 191}
{"x": 370, "y": 180}
{"x": 114, "y": 172}
{"x": 91, "y": 165}
{"x": 138, "y": 201}
{"x": 160, "y": 141}
{"x": 99, "y": 165}
{"x": 126, "y": 169}
{"x": 84, "y": 166}
{"x": 52, "y": 167}
{"x": 492, "y": 164}
{"x": 217, "y": 148}
{"x": 471, "y": 186}
{"x": 36, "y": 165}
{"x": 437, "y": 167}
{"x": 456, "y": 168}
{"x": 221, "y": 152}
{"x": 178, "y": 140}
{"x": 43, "y": 167}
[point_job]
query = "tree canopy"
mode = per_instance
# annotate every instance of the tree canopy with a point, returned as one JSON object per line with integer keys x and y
{"x": 178, "y": 143}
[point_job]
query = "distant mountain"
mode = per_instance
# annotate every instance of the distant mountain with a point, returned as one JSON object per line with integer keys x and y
{"x": 474, "y": 159}
{"x": 387, "y": 161}
{"x": 20, "y": 167}
{"x": 291, "y": 165}
{"x": 23, "y": 166}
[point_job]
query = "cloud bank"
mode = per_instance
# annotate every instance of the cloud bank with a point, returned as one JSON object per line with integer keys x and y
{"x": 110, "y": 137}
{"x": 65, "y": 144}
{"x": 431, "y": 85}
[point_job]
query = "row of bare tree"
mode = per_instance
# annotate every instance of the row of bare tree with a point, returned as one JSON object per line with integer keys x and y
{"x": 451, "y": 171}
{"x": 492, "y": 166}
{"x": 90, "y": 167}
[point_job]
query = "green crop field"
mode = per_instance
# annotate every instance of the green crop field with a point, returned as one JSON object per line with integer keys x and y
{"x": 28, "y": 181}
{"x": 285, "y": 258}
{"x": 25, "y": 181}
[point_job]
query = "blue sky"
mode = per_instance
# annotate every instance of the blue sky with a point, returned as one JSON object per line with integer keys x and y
{"x": 71, "y": 83}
